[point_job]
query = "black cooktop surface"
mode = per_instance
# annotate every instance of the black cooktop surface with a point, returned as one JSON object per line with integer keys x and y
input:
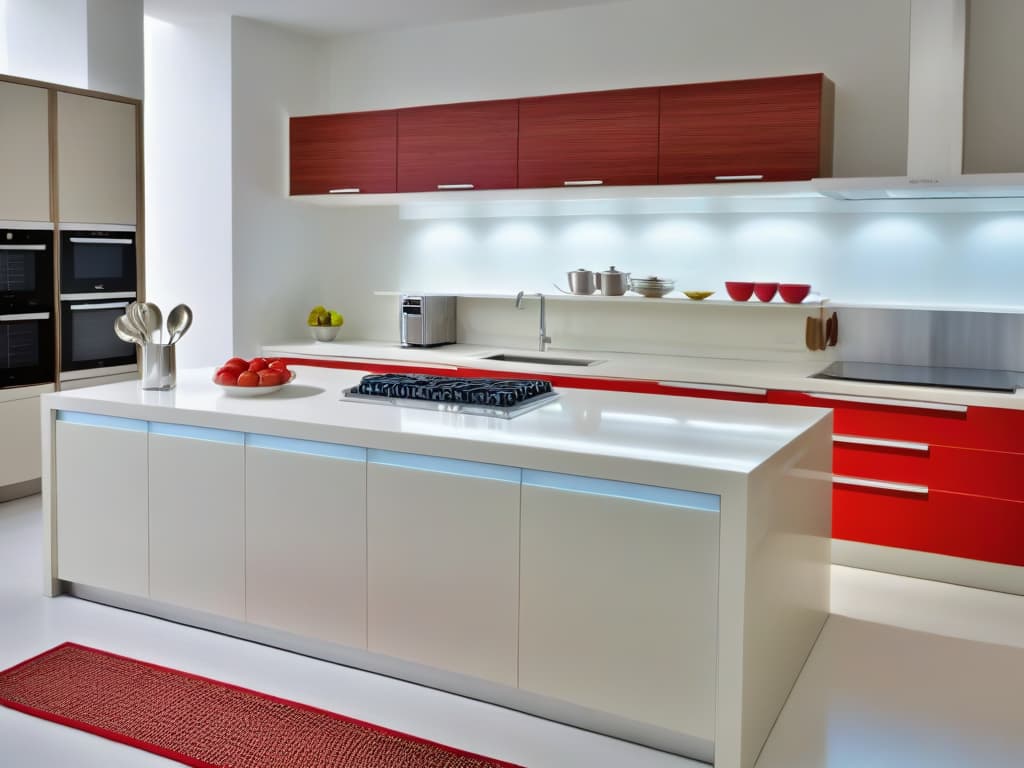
{"x": 450, "y": 389}
{"x": 925, "y": 376}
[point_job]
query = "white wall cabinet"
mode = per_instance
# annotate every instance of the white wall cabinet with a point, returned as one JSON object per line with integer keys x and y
{"x": 197, "y": 518}
{"x": 20, "y": 450}
{"x": 619, "y": 604}
{"x": 305, "y": 538}
{"x": 96, "y": 160}
{"x": 103, "y": 530}
{"x": 443, "y": 563}
{"x": 24, "y": 153}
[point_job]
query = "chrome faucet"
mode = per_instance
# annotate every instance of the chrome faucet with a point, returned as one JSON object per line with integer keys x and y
{"x": 543, "y": 338}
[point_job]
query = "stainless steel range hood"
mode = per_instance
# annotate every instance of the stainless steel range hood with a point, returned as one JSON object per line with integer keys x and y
{"x": 972, "y": 186}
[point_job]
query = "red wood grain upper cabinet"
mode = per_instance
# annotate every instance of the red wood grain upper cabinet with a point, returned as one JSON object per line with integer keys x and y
{"x": 768, "y": 129}
{"x": 607, "y": 137}
{"x": 458, "y": 146}
{"x": 346, "y": 153}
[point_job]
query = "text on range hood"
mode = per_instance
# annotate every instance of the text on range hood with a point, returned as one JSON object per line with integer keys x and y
{"x": 971, "y": 185}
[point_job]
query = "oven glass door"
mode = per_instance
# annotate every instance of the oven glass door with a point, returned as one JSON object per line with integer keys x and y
{"x": 26, "y": 276}
{"x": 26, "y": 349}
{"x": 92, "y": 262}
{"x": 87, "y": 336}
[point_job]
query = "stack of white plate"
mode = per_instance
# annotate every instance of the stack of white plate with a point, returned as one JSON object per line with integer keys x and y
{"x": 652, "y": 287}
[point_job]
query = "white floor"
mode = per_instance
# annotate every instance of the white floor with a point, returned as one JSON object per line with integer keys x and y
{"x": 939, "y": 682}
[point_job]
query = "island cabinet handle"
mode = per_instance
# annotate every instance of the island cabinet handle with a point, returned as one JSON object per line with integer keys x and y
{"x": 898, "y": 445}
{"x": 444, "y": 187}
{"x": 583, "y": 183}
{"x": 714, "y": 387}
{"x": 882, "y": 485}
{"x": 741, "y": 177}
{"x": 345, "y": 191}
{"x": 917, "y": 405}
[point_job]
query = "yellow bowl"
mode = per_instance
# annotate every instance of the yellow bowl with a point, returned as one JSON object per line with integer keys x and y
{"x": 698, "y": 295}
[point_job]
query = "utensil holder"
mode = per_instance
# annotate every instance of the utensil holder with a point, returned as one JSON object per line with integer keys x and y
{"x": 159, "y": 369}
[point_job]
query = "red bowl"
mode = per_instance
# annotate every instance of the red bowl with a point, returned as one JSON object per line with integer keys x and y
{"x": 794, "y": 293}
{"x": 765, "y": 291}
{"x": 739, "y": 291}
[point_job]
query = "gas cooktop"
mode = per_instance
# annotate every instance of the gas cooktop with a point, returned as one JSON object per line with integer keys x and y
{"x": 504, "y": 398}
{"x": 925, "y": 376}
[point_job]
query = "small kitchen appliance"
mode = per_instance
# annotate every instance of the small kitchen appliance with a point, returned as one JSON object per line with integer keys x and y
{"x": 426, "y": 320}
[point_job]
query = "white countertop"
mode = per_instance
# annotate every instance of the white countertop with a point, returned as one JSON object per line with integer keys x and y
{"x": 624, "y": 436}
{"x": 788, "y": 375}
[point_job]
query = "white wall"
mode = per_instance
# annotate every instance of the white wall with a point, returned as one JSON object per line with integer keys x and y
{"x": 115, "y": 43}
{"x": 46, "y": 40}
{"x": 277, "y": 242}
{"x": 188, "y": 178}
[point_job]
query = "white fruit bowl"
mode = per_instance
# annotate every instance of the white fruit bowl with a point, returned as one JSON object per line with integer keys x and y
{"x": 324, "y": 332}
{"x": 236, "y": 391}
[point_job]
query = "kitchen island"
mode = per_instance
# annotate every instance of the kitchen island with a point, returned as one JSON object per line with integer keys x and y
{"x": 650, "y": 567}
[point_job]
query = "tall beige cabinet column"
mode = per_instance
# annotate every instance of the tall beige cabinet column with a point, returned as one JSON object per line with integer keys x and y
{"x": 96, "y": 160}
{"x": 24, "y": 153}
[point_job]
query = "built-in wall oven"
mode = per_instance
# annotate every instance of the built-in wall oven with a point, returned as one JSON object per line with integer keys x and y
{"x": 26, "y": 305}
{"x": 98, "y": 279}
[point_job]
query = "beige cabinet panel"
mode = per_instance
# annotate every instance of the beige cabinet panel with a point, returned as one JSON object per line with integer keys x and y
{"x": 20, "y": 449}
{"x": 103, "y": 529}
{"x": 443, "y": 557}
{"x": 197, "y": 518}
{"x": 305, "y": 538}
{"x": 24, "y": 153}
{"x": 619, "y": 604}
{"x": 96, "y": 160}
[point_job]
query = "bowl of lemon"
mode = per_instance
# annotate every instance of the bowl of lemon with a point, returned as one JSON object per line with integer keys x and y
{"x": 324, "y": 323}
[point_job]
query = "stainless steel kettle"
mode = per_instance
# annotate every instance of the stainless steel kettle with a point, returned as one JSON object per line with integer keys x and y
{"x": 581, "y": 282}
{"x": 611, "y": 282}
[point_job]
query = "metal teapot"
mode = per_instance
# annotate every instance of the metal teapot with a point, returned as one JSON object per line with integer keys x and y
{"x": 611, "y": 282}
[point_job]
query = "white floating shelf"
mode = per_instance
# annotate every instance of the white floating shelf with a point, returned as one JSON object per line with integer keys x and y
{"x": 676, "y": 297}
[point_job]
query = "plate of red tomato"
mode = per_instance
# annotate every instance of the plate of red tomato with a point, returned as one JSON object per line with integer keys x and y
{"x": 251, "y": 378}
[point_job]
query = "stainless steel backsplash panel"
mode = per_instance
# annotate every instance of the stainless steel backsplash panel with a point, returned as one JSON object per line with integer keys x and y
{"x": 955, "y": 339}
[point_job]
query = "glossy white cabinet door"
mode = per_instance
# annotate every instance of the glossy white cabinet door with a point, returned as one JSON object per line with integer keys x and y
{"x": 443, "y": 556}
{"x": 619, "y": 602}
{"x": 24, "y": 153}
{"x": 197, "y": 518}
{"x": 20, "y": 448}
{"x": 305, "y": 538}
{"x": 96, "y": 160}
{"x": 103, "y": 529}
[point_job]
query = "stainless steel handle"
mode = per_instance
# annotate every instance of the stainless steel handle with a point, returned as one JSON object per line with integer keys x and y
{"x": 741, "y": 177}
{"x": 713, "y": 387}
{"x": 921, "y": 406}
{"x": 584, "y": 183}
{"x": 900, "y": 445}
{"x": 102, "y": 240}
{"x": 454, "y": 186}
{"x": 30, "y": 316}
{"x": 344, "y": 191}
{"x": 22, "y": 247}
{"x": 92, "y": 295}
{"x": 883, "y": 485}
{"x": 105, "y": 305}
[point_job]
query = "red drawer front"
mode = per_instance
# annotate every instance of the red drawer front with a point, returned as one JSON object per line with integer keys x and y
{"x": 956, "y": 524}
{"x": 996, "y": 429}
{"x": 962, "y": 470}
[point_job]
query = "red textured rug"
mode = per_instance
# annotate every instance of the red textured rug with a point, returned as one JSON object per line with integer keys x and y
{"x": 206, "y": 723}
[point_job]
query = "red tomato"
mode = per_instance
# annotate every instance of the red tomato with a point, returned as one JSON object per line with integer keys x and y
{"x": 237, "y": 362}
{"x": 248, "y": 379}
{"x": 270, "y": 378}
{"x": 278, "y": 365}
{"x": 257, "y": 364}
{"x": 226, "y": 375}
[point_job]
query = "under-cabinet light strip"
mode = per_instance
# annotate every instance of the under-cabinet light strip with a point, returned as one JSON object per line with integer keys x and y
{"x": 307, "y": 447}
{"x": 704, "y": 502}
{"x": 445, "y": 466}
{"x": 96, "y": 420}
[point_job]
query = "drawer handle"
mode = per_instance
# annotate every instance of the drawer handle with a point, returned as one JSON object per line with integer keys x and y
{"x": 950, "y": 407}
{"x": 713, "y": 387}
{"x": 900, "y": 445}
{"x": 741, "y": 177}
{"x": 584, "y": 183}
{"x": 883, "y": 485}
{"x": 345, "y": 191}
{"x": 454, "y": 186}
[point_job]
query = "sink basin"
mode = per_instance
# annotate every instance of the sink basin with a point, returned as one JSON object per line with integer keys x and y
{"x": 542, "y": 359}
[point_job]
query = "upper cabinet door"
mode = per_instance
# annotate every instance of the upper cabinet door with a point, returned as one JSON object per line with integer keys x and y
{"x": 458, "y": 146}
{"x": 769, "y": 129}
{"x": 346, "y": 153}
{"x": 24, "y": 153}
{"x": 606, "y": 137}
{"x": 96, "y": 160}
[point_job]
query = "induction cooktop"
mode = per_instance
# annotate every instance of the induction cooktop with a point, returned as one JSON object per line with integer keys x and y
{"x": 925, "y": 376}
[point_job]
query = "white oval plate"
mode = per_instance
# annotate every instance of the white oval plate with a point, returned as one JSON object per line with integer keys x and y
{"x": 253, "y": 391}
